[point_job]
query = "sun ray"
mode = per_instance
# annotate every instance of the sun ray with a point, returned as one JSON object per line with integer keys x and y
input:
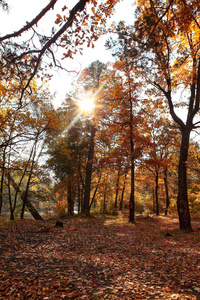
{"x": 87, "y": 104}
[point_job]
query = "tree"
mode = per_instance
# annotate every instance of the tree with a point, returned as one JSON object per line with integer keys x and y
{"x": 23, "y": 129}
{"x": 91, "y": 82}
{"x": 163, "y": 139}
{"x": 88, "y": 175}
{"x": 126, "y": 111}
{"x": 122, "y": 121}
{"x": 27, "y": 202}
{"x": 167, "y": 37}
{"x": 67, "y": 151}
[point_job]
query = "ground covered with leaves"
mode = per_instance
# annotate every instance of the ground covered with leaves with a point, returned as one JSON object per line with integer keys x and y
{"x": 99, "y": 258}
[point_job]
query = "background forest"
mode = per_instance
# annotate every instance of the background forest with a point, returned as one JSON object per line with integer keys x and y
{"x": 125, "y": 137}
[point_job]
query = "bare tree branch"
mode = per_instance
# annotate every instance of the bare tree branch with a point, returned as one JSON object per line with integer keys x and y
{"x": 159, "y": 19}
{"x": 171, "y": 106}
{"x": 31, "y": 24}
{"x": 78, "y": 7}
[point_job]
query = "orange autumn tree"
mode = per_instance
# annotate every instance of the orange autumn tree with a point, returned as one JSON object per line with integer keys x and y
{"x": 167, "y": 37}
{"x": 23, "y": 130}
{"x": 158, "y": 157}
{"x": 122, "y": 119}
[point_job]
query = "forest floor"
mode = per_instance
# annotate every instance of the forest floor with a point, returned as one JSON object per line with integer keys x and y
{"x": 99, "y": 257}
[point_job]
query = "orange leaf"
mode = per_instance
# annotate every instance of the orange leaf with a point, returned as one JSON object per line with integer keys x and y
{"x": 65, "y": 7}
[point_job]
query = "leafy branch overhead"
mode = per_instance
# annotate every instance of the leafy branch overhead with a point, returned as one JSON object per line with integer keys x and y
{"x": 77, "y": 24}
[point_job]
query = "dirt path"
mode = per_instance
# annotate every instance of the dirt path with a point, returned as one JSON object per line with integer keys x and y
{"x": 99, "y": 259}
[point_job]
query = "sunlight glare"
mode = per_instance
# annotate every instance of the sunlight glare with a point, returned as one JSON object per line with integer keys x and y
{"x": 87, "y": 104}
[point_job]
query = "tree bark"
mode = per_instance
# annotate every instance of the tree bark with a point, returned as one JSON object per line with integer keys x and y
{"x": 2, "y": 179}
{"x": 96, "y": 189}
{"x": 33, "y": 210}
{"x": 154, "y": 202}
{"x": 117, "y": 189}
{"x": 156, "y": 194}
{"x": 166, "y": 191}
{"x": 10, "y": 199}
{"x": 86, "y": 199}
{"x": 104, "y": 199}
{"x": 182, "y": 199}
{"x": 132, "y": 195}
{"x": 122, "y": 195}
{"x": 69, "y": 197}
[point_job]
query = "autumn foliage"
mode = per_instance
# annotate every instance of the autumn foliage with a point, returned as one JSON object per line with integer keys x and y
{"x": 134, "y": 149}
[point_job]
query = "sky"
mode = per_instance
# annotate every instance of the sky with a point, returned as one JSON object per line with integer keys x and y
{"x": 61, "y": 83}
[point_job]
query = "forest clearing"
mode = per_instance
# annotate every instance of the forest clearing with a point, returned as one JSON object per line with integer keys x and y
{"x": 100, "y": 257}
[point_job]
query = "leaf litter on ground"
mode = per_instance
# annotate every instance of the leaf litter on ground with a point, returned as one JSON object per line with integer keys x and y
{"x": 99, "y": 258}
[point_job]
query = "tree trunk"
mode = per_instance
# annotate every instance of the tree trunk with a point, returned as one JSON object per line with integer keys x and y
{"x": 29, "y": 205}
{"x": 10, "y": 199}
{"x": 33, "y": 211}
{"x": 154, "y": 202}
{"x": 25, "y": 196}
{"x": 81, "y": 186}
{"x": 79, "y": 196}
{"x": 96, "y": 189}
{"x": 1, "y": 191}
{"x": 156, "y": 194}
{"x": 122, "y": 195}
{"x": 69, "y": 197}
{"x": 166, "y": 191}
{"x": 2, "y": 180}
{"x": 132, "y": 195}
{"x": 104, "y": 199}
{"x": 86, "y": 199}
{"x": 117, "y": 190}
{"x": 182, "y": 199}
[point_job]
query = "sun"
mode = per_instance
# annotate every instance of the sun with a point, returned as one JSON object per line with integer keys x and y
{"x": 86, "y": 104}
